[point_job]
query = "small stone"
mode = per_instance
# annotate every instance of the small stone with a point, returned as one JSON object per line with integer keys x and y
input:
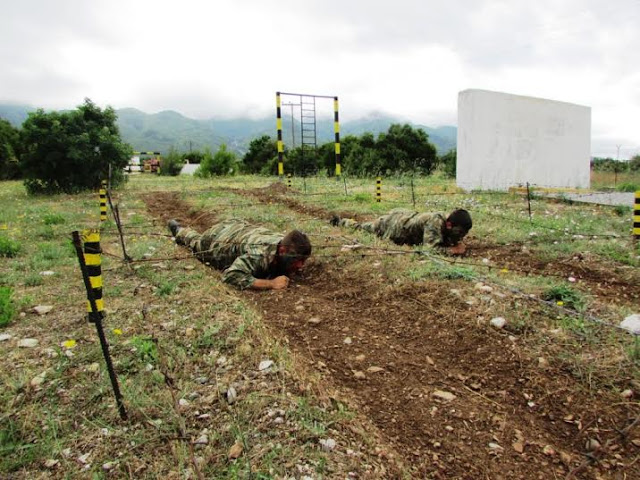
{"x": 636, "y": 442}
{"x": 430, "y": 361}
{"x": 449, "y": 428}
{"x": 42, "y": 309}
{"x": 314, "y": 320}
{"x": 47, "y": 273}
{"x": 202, "y": 440}
{"x": 358, "y": 374}
{"x": 83, "y": 458}
{"x": 543, "y": 363}
{"x": 5, "y": 336}
{"x": 189, "y": 267}
{"x": 347, "y": 341}
{"x": 50, "y": 463}
{"x": 498, "y": 322}
{"x": 442, "y": 395}
{"x": 28, "y": 343}
{"x": 231, "y": 395}
{"x": 495, "y": 446}
{"x": 221, "y": 361}
{"x": 518, "y": 447}
{"x": 628, "y": 393}
{"x": 328, "y": 444}
{"x": 572, "y": 279}
{"x": 183, "y": 402}
{"x": 548, "y": 450}
{"x": 632, "y": 323}
{"x": 109, "y": 465}
{"x": 375, "y": 369}
{"x": 486, "y": 289}
{"x": 94, "y": 367}
{"x": 360, "y": 358}
{"x": 235, "y": 451}
{"x": 592, "y": 445}
{"x": 278, "y": 420}
{"x": 38, "y": 380}
{"x": 189, "y": 332}
{"x": 264, "y": 365}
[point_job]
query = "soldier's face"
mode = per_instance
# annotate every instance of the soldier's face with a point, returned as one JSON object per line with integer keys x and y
{"x": 454, "y": 233}
{"x": 291, "y": 263}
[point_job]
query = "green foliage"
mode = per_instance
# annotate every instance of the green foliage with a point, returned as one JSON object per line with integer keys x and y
{"x": 609, "y": 165}
{"x": 261, "y": 151}
{"x": 634, "y": 163}
{"x": 53, "y": 219}
{"x": 622, "y": 210}
{"x": 71, "y": 151}
{"x": 447, "y": 163}
{"x": 8, "y": 248}
{"x": 628, "y": 187}
{"x": 145, "y": 348}
{"x": 565, "y": 296}
{"x": 9, "y": 151}
{"x": 172, "y": 163}
{"x": 222, "y": 163}
{"x": 7, "y": 309}
{"x": 194, "y": 156}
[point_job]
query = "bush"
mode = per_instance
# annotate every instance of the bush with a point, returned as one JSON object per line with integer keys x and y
{"x": 628, "y": 187}
{"x": 564, "y": 296}
{"x": 8, "y": 248}
{"x": 71, "y": 151}
{"x": 7, "y": 309}
{"x": 447, "y": 163}
{"x": 172, "y": 163}
{"x": 222, "y": 163}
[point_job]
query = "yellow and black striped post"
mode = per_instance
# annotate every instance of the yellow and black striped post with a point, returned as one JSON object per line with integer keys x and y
{"x": 288, "y": 180}
{"x": 103, "y": 202}
{"x": 280, "y": 144}
{"x": 379, "y": 189}
{"x": 90, "y": 265}
{"x": 636, "y": 217}
{"x": 336, "y": 129}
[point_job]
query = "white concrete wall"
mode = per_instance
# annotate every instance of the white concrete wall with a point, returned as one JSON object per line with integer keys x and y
{"x": 508, "y": 140}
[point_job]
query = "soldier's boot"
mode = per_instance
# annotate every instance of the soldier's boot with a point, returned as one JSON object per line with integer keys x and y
{"x": 335, "y": 220}
{"x": 174, "y": 226}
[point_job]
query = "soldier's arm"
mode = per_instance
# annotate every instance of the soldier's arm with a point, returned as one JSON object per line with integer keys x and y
{"x": 242, "y": 274}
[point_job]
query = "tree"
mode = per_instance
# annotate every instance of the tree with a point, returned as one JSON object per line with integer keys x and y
{"x": 71, "y": 151}
{"x": 404, "y": 148}
{"x": 9, "y": 151}
{"x": 634, "y": 163}
{"x": 261, "y": 151}
{"x": 448, "y": 163}
{"x": 172, "y": 163}
{"x": 222, "y": 163}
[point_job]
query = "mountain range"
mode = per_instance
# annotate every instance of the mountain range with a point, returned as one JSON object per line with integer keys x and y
{"x": 166, "y": 129}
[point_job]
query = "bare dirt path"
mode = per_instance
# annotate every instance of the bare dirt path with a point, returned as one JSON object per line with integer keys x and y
{"x": 456, "y": 398}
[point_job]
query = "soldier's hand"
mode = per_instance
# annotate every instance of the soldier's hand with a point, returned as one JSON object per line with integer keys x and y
{"x": 458, "y": 249}
{"x": 280, "y": 282}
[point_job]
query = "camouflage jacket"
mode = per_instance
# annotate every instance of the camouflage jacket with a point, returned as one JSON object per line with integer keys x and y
{"x": 405, "y": 227}
{"x": 244, "y": 252}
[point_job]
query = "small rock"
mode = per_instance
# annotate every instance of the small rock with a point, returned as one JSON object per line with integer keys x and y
{"x": 42, "y": 309}
{"x": 221, "y": 361}
{"x": 5, "y": 336}
{"x": 632, "y": 323}
{"x": 202, "y": 440}
{"x": 518, "y": 447}
{"x": 543, "y": 363}
{"x": 548, "y": 450}
{"x": 183, "y": 402}
{"x": 328, "y": 444}
{"x": 375, "y": 369}
{"x": 314, "y": 320}
{"x": 94, "y": 367}
{"x": 265, "y": 364}
{"x": 628, "y": 393}
{"x": 28, "y": 343}
{"x": 486, "y": 289}
{"x": 444, "y": 396}
{"x": 38, "y": 380}
{"x": 235, "y": 451}
{"x": 189, "y": 267}
{"x": 592, "y": 445}
{"x": 358, "y": 374}
{"x": 231, "y": 395}
{"x": 109, "y": 465}
{"x": 430, "y": 361}
{"x": 50, "y": 463}
{"x": 572, "y": 279}
{"x": 278, "y": 420}
{"x": 347, "y": 341}
{"x": 636, "y": 442}
{"x": 47, "y": 273}
{"x": 498, "y": 322}
{"x": 360, "y": 358}
{"x": 495, "y": 446}
{"x": 83, "y": 458}
{"x": 189, "y": 332}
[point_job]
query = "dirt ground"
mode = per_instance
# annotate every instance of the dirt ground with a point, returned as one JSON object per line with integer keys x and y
{"x": 452, "y": 396}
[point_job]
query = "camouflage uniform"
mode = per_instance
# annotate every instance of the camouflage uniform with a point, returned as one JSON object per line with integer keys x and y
{"x": 245, "y": 252}
{"x": 405, "y": 227}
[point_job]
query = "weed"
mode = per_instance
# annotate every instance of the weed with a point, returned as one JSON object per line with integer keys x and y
{"x": 46, "y": 233}
{"x": 33, "y": 280}
{"x": 362, "y": 197}
{"x": 622, "y": 210}
{"x": 457, "y": 273}
{"x": 628, "y": 187}
{"x": 8, "y": 247}
{"x": 53, "y": 219}
{"x": 166, "y": 287}
{"x": 7, "y": 308}
{"x": 565, "y": 296}
{"x": 145, "y": 348}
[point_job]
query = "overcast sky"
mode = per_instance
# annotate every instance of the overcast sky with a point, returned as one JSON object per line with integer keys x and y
{"x": 407, "y": 58}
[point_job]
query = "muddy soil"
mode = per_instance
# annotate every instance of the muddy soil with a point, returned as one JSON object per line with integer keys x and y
{"x": 456, "y": 398}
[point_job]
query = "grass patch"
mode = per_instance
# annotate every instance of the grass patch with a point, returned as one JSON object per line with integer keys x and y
{"x": 9, "y": 248}
{"x": 565, "y": 296}
{"x": 7, "y": 308}
{"x": 53, "y": 219}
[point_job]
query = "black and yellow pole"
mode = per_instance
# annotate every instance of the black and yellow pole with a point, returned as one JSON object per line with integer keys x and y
{"x": 103, "y": 202}
{"x": 280, "y": 144}
{"x": 336, "y": 129}
{"x": 90, "y": 265}
{"x": 378, "y": 189}
{"x": 636, "y": 217}
{"x": 288, "y": 180}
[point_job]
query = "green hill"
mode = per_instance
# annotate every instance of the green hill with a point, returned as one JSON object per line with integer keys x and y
{"x": 160, "y": 131}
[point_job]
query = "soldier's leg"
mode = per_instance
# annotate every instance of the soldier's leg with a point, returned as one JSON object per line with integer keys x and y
{"x": 189, "y": 238}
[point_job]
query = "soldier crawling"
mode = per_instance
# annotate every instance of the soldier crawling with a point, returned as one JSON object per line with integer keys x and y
{"x": 405, "y": 227}
{"x": 250, "y": 256}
